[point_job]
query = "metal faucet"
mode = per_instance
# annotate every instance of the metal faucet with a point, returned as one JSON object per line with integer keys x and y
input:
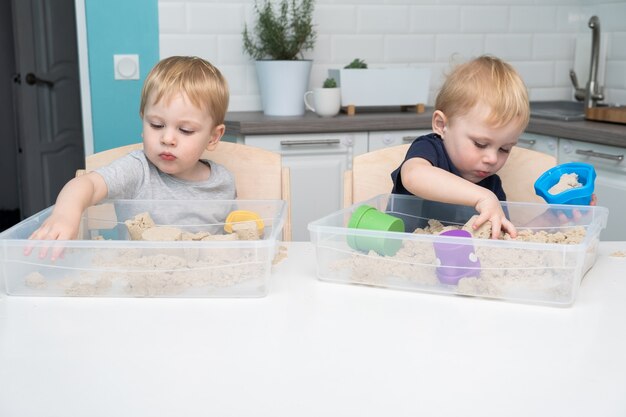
{"x": 592, "y": 93}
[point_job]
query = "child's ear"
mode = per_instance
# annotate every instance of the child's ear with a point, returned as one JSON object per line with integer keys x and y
{"x": 216, "y": 135}
{"x": 439, "y": 122}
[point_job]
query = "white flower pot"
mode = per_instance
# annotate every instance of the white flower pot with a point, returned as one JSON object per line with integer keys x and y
{"x": 382, "y": 86}
{"x": 282, "y": 85}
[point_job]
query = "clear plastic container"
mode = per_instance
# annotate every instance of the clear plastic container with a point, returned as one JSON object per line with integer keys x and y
{"x": 105, "y": 262}
{"x": 547, "y": 270}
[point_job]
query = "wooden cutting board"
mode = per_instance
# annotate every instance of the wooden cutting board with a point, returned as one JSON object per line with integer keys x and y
{"x": 607, "y": 114}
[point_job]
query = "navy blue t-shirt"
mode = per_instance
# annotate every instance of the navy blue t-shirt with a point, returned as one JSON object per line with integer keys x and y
{"x": 418, "y": 211}
{"x": 430, "y": 147}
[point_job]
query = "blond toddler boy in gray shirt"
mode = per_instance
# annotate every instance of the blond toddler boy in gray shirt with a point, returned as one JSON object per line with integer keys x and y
{"x": 183, "y": 105}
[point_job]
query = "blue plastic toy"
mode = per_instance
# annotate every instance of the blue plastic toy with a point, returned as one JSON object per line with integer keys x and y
{"x": 576, "y": 196}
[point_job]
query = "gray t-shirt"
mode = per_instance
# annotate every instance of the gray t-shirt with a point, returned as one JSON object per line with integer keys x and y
{"x": 133, "y": 177}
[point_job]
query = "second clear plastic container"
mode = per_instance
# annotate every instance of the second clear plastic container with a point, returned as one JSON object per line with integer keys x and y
{"x": 547, "y": 270}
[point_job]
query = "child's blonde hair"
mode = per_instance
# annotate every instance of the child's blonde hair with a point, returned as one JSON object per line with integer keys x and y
{"x": 200, "y": 81}
{"x": 488, "y": 80}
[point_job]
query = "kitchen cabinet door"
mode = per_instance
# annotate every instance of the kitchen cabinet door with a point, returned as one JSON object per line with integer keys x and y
{"x": 385, "y": 139}
{"x": 539, "y": 143}
{"x": 610, "y": 185}
{"x": 317, "y": 163}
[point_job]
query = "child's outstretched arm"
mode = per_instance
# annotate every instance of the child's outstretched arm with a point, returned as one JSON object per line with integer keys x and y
{"x": 432, "y": 183}
{"x": 64, "y": 221}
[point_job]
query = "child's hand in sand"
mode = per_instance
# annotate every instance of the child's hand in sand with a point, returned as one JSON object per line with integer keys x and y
{"x": 58, "y": 226}
{"x": 490, "y": 209}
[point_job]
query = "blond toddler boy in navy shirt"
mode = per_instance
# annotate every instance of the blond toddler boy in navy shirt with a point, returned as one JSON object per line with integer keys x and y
{"x": 480, "y": 112}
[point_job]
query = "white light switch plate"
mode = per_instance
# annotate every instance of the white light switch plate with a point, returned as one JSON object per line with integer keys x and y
{"x": 126, "y": 67}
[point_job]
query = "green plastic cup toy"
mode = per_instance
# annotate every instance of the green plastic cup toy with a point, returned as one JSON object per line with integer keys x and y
{"x": 368, "y": 218}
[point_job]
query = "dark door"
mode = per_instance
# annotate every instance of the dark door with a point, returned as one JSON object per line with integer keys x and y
{"x": 47, "y": 100}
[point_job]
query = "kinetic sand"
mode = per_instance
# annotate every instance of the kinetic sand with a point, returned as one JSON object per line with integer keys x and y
{"x": 566, "y": 182}
{"x": 505, "y": 272}
{"x": 149, "y": 272}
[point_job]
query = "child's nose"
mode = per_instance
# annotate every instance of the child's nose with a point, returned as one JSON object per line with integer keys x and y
{"x": 490, "y": 157}
{"x": 168, "y": 137}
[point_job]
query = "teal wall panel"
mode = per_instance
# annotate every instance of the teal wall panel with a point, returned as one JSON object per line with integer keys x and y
{"x": 119, "y": 27}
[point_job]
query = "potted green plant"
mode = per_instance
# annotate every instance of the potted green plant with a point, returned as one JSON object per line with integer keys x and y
{"x": 373, "y": 87}
{"x": 283, "y": 31}
{"x": 326, "y": 99}
{"x": 356, "y": 64}
{"x": 329, "y": 83}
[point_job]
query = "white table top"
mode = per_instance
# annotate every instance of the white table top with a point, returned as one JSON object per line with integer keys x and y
{"x": 312, "y": 348}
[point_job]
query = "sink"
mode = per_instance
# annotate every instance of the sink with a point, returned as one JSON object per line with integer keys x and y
{"x": 558, "y": 110}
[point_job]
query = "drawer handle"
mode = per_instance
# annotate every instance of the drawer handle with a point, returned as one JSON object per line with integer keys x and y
{"x": 310, "y": 142}
{"x": 406, "y": 139}
{"x": 595, "y": 154}
{"x": 530, "y": 142}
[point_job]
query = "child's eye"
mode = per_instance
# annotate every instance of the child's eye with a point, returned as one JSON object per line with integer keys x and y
{"x": 505, "y": 150}
{"x": 186, "y": 131}
{"x": 156, "y": 125}
{"x": 480, "y": 145}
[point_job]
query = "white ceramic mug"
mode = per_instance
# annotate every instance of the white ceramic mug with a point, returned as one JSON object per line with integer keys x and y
{"x": 326, "y": 101}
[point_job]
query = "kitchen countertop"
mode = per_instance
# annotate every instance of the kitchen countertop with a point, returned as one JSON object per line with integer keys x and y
{"x": 312, "y": 348}
{"x": 256, "y": 123}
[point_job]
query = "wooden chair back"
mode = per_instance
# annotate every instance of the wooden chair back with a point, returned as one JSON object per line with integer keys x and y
{"x": 371, "y": 173}
{"x": 520, "y": 172}
{"x": 259, "y": 174}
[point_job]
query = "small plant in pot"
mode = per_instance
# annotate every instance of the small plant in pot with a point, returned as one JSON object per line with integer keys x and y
{"x": 326, "y": 100}
{"x": 329, "y": 83}
{"x": 356, "y": 64}
{"x": 282, "y": 33}
{"x": 362, "y": 86}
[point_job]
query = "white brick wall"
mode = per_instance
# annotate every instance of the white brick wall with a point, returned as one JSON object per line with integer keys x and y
{"x": 537, "y": 37}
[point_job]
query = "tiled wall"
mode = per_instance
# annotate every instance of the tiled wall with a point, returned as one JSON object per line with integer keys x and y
{"x": 537, "y": 36}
